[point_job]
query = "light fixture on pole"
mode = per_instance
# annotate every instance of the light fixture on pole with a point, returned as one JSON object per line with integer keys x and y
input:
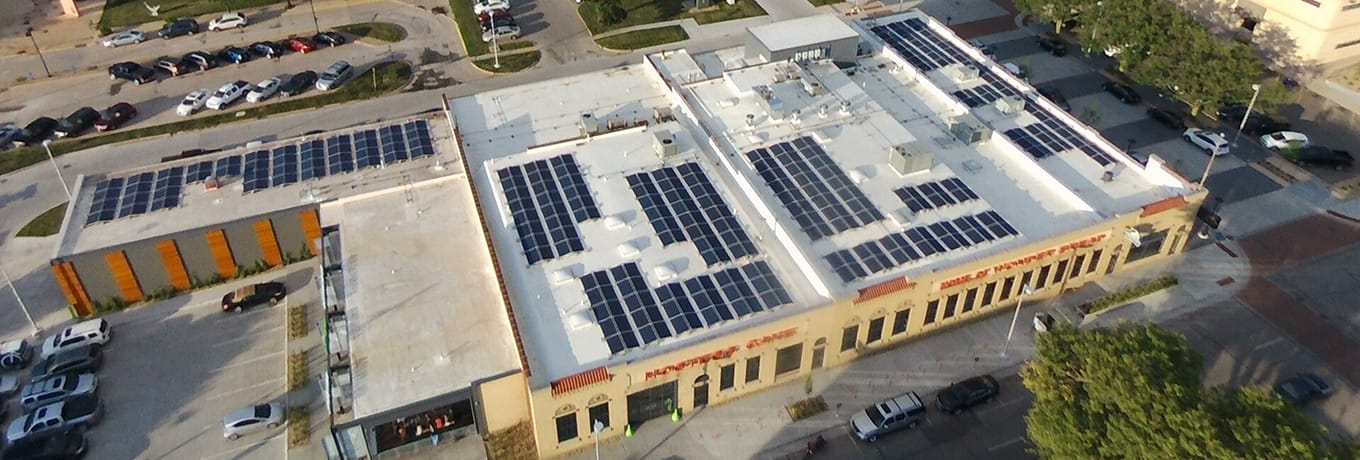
{"x": 596, "y": 428}
{"x": 47, "y": 145}
{"x": 1025, "y": 289}
{"x": 22, "y": 306}
{"x": 1256, "y": 91}
{"x": 495, "y": 48}
{"x": 29, "y": 33}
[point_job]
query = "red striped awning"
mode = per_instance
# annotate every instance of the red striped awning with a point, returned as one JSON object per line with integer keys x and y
{"x": 1164, "y": 205}
{"x": 884, "y": 288}
{"x": 580, "y": 380}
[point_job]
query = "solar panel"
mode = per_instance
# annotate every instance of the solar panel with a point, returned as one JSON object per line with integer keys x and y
{"x": 228, "y": 166}
{"x": 816, "y": 192}
{"x": 136, "y": 194}
{"x": 914, "y": 243}
{"x": 255, "y": 171}
{"x": 104, "y": 204}
{"x": 996, "y": 224}
{"x": 544, "y": 211}
{"x": 418, "y": 138}
{"x": 393, "y": 144}
{"x": 340, "y": 154}
{"x": 284, "y": 162}
{"x": 683, "y": 205}
{"x": 366, "y": 149}
{"x": 166, "y": 193}
{"x": 312, "y": 160}
{"x": 198, "y": 172}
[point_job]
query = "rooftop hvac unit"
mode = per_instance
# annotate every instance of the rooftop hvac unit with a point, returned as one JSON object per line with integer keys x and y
{"x": 663, "y": 114}
{"x": 910, "y": 157}
{"x": 969, "y": 130}
{"x": 663, "y": 142}
{"x": 590, "y": 124}
{"x": 1010, "y": 105}
{"x": 812, "y": 88}
{"x": 962, "y": 72}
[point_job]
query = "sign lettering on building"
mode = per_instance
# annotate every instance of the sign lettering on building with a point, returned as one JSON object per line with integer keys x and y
{"x": 1022, "y": 261}
{"x": 722, "y": 353}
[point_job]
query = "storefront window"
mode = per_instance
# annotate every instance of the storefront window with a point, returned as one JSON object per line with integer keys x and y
{"x": 600, "y": 414}
{"x": 1076, "y": 266}
{"x": 1062, "y": 272}
{"x": 788, "y": 359}
{"x": 950, "y": 304}
{"x": 931, "y": 308}
{"x": 987, "y": 294}
{"x": 1095, "y": 261}
{"x": 728, "y": 377}
{"x": 1151, "y": 245}
{"x": 900, "y": 321}
{"x": 969, "y": 299}
{"x": 752, "y": 369}
{"x": 566, "y": 427}
{"x": 1114, "y": 260}
{"x": 1007, "y": 288}
{"x": 1043, "y": 276}
{"x": 875, "y": 330}
{"x": 848, "y": 337}
{"x": 1027, "y": 279}
{"x": 416, "y": 427}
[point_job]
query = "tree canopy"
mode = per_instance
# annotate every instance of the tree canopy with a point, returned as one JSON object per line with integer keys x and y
{"x": 1134, "y": 392}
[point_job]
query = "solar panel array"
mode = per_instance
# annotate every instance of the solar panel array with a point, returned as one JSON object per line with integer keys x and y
{"x": 933, "y": 195}
{"x": 314, "y": 159}
{"x": 547, "y": 199}
{"x": 682, "y": 205}
{"x": 631, "y": 314}
{"x": 923, "y": 48}
{"x": 818, "y": 194}
{"x": 918, "y": 243}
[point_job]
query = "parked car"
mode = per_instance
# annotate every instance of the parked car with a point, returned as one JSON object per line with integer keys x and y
{"x": 983, "y": 47}
{"x": 968, "y": 393}
{"x": 179, "y": 28}
{"x": 1167, "y": 118}
{"x": 1124, "y": 93}
{"x": 1319, "y": 156}
{"x": 15, "y": 354}
{"x": 266, "y": 49}
{"x": 127, "y": 37}
{"x": 1015, "y": 70}
{"x": 1302, "y": 388}
{"x": 263, "y": 90}
{"x": 82, "y": 334}
{"x": 60, "y": 444}
{"x": 193, "y": 102}
{"x": 330, "y": 38}
{"x": 252, "y": 295}
{"x": 301, "y": 44}
{"x": 1054, "y": 95}
{"x": 251, "y": 419}
{"x": 334, "y": 76}
{"x": 482, "y": 6}
{"x": 904, "y": 411}
{"x": 1212, "y": 143}
{"x": 57, "y": 388}
{"x": 1052, "y": 44}
{"x": 498, "y": 21}
{"x": 227, "y": 94}
{"x": 203, "y": 61}
{"x": 114, "y": 116}
{"x": 501, "y": 33}
{"x": 131, "y": 71}
{"x": 84, "y": 359}
{"x": 234, "y": 55}
{"x": 228, "y": 21}
{"x": 75, "y": 123}
{"x": 82, "y": 411}
{"x": 297, "y": 84}
{"x": 1284, "y": 139}
{"x": 174, "y": 66}
{"x": 7, "y": 133}
{"x": 36, "y": 131}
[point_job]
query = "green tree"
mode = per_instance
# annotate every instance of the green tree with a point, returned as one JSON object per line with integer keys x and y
{"x": 1057, "y": 12}
{"x": 610, "y": 11}
{"x": 1134, "y": 391}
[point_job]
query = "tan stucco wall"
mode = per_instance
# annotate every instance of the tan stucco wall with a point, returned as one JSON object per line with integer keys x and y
{"x": 505, "y": 401}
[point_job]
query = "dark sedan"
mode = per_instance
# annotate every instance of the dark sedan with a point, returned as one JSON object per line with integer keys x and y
{"x": 1318, "y": 155}
{"x": 266, "y": 49}
{"x": 115, "y": 116}
{"x": 37, "y": 131}
{"x": 298, "y": 83}
{"x": 1124, "y": 93}
{"x": 234, "y": 54}
{"x": 330, "y": 38}
{"x": 1167, "y": 118}
{"x": 1302, "y": 388}
{"x": 1053, "y": 45}
{"x": 1056, "y": 96}
{"x": 77, "y": 122}
{"x": 131, "y": 71}
{"x": 178, "y": 28}
{"x": 252, "y": 295}
{"x": 968, "y": 393}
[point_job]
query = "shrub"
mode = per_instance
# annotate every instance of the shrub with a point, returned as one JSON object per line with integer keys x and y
{"x": 1121, "y": 297}
{"x": 807, "y": 408}
{"x": 610, "y": 11}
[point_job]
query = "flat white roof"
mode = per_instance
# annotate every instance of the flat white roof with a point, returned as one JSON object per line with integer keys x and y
{"x": 423, "y": 305}
{"x": 802, "y": 31}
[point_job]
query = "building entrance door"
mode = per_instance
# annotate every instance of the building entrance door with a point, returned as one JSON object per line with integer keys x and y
{"x": 818, "y": 353}
{"x": 650, "y": 403}
{"x": 701, "y": 391}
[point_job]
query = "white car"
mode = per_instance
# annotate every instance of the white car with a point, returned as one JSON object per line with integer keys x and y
{"x": 482, "y": 6}
{"x": 263, "y": 90}
{"x": 82, "y": 334}
{"x": 228, "y": 21}
{"x": 501, "y": 33}
{"x": 193, "y": 102}
{"x": 251, "y": 419}
{"x": 1284, "y": 139}
{"x": 1212, "y": 143}
{"x": 227, "y": 94}
{"x": 127, "y": 37}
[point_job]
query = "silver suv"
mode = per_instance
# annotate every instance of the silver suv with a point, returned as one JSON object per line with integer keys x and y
{"x": 334, "y": 76}
{"x": 905, "y": 411}
{"x": 57, "y": 388}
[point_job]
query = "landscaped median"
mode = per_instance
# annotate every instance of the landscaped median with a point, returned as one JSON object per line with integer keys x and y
{"x": 381, "y": 79}
{"x": 46, "y": 224}
{"x": 380, "y": 31}
{"x": 510, "y": 63}
{"x": 602, "y": 16}
{"x": 1119, "y": 298}
{"x": 644, "y": 38}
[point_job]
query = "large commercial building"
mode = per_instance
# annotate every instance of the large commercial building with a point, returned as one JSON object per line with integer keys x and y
{"x": 1296, "y": 34}
{"x": 612, "y": 246}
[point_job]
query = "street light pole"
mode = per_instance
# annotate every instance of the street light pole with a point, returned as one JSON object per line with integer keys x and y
{"x": 314, "y": 21}
{"x": 1025, "y": 290}
{"x": 47, "y": 145}
{"x": 597, "y": 427}
{"x": 495, "y": 48}
{"x": 1256, "y": 91}
{"x": 29, "y": 33}
{"x": 23, "y": 307}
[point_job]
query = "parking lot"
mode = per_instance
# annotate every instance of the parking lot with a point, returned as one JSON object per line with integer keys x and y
{"x": 175, "y": 368}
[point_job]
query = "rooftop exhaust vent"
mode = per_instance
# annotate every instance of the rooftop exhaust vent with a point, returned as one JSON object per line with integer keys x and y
{"x": 962, "y": 72}
{"x": 910, "y": 157}
{"x": 663, "y": 142}
{"x": 1010, "y": 105}
{"x": 968, "y": 129}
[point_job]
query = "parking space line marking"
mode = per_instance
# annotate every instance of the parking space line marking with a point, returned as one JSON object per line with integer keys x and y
{"x": 1006, "y": 443}
{"x": 1268, "y": 343}
{"x": 245, "y": 388}
{"x": 247, "y": 336}
{"x": 261, "y": 442}
{"x": 248, "y": 361}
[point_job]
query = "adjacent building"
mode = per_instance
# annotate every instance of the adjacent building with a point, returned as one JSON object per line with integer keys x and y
{"x": 1297, "y": 35}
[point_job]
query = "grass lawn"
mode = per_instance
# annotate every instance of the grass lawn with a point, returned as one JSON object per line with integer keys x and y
{"x": 510, "y": 63}
{"x": 651, "y": 11}
{"x": 46, "y": 224}
{"x": 468, "y": 27}
{"x": 381, "y": 31}
{"x": 514, "y": 45}
{"x": 638, "y": 39}
{"x": 388, "y": 76}
{"x": 124, "y": 13}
